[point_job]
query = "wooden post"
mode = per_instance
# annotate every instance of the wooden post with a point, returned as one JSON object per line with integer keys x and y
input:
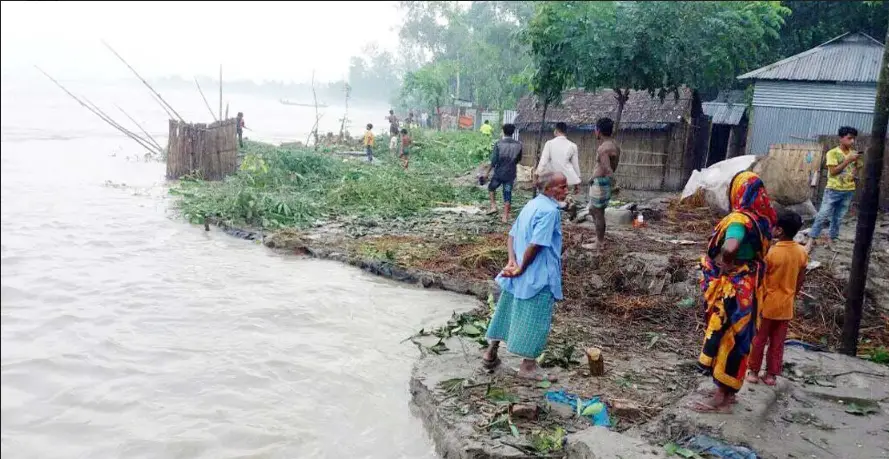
{"x": 220, "y": 91}
{"x": 596, "y": 361}
{"x": 867, "y": 213}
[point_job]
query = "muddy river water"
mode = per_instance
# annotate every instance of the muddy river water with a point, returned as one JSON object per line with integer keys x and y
{"x": 129, "y": 333}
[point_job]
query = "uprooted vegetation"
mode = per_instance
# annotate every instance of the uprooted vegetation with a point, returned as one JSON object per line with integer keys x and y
{"x": 278, "y": 187}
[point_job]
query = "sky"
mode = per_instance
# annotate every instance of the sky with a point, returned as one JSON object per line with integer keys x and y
{"x": 251, "y": 40}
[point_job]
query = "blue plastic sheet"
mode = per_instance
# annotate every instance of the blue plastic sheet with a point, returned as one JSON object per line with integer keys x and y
{"x": 714, "y": 448}
{"x": 560, "y": 396}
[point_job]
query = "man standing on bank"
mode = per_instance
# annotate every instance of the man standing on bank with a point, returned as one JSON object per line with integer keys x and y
{"x": 506, "y": 156}
{"x": 607, "y": 158}
{"x": 531, "y": 282}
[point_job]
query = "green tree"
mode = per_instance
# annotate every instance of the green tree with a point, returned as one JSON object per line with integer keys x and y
{"x": 812, "y": 23}
{"x": 430, "y": 84}
{"x": 657, "y": 46}
{"x": 549, "y": 35}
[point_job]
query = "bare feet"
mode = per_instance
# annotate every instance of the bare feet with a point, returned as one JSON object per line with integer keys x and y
{"x": 769, "y": 380}
{"x": 752, "y": 378}
{"x": 505, "y": 218}
{"x": 536, "y": 375}
{"x": 709, "y": 406}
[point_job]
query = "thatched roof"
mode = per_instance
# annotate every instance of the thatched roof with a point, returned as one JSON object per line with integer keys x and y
{"x": 580, "y": 110}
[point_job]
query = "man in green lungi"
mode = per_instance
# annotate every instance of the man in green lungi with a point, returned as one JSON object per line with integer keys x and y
{"x": 530, "y": 285}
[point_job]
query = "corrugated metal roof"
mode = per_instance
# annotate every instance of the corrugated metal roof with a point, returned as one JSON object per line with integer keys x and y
{"x": 815, "y": 96}
{"x": 773, "y": 125}
{"x": 851, "y": 57}
{"x": 724, "y": 113}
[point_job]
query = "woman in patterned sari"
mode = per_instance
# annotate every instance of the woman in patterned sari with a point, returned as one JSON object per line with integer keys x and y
{"x": 732, "y": 272}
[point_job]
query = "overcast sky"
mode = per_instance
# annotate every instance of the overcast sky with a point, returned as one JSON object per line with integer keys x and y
{"x": 254, "y": 40}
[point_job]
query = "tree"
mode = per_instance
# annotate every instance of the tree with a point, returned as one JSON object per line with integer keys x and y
{"x": 549, "y": 36}
{"x": 431, "y": 85}
{"x": 657, "y": 46}
{"x": 867, "y": 212}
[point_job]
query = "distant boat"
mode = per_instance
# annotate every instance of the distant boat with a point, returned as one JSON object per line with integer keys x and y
{"x": 300, "y": 104}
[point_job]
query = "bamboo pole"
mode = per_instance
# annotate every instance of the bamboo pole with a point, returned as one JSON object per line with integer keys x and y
{"x": 205, "y": 99}
{"x": 868, "y": 207}
{"x": 220, "y": 91}
{"x": 100, "y": 114}
{"x": 167, "y": 110}
{"x": 142, "y": 141}
{"x": 143, "y": 80}
{"x": 149, "y": 136}
{"x": 226, "y": 111}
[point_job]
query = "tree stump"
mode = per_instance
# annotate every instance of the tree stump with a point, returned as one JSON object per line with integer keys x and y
{"x": 596, "y": 361}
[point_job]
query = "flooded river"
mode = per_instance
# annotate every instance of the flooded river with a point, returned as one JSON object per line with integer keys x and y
{"x": 128, "y": 333}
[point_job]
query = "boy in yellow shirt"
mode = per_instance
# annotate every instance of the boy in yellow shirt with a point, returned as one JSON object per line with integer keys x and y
{"x": 369, "y": 142}
{"x": 842, "y": 169}
{"x": 785, "y": 273}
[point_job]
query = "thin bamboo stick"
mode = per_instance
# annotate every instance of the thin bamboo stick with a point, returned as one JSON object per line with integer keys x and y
{"x": 149, "y": 136}
{"x": 220, "y": 90}
{"x": 205, "y": 99}
{"x": 143, "y": 80}
{"x": 100, "y": 114}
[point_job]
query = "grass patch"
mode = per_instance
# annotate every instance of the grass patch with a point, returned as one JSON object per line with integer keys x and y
{"x": 279, "y": 187}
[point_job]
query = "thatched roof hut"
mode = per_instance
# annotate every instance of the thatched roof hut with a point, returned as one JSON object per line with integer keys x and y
{"x": 658, "y": 146}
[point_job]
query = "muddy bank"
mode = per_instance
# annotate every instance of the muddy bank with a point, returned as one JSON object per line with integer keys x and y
{"x": 637, "y": 302}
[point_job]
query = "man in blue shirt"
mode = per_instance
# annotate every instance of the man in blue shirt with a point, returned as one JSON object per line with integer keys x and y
{"x": 532, "y": 281}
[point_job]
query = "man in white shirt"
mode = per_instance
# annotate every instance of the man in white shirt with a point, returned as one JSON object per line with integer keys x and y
{"x": 560, "y": 155}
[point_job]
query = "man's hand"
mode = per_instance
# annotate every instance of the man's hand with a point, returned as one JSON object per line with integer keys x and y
{"x": 512, "y": 270}
{"x": 853, "y": 157}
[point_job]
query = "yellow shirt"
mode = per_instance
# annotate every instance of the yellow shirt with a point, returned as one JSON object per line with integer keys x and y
{"x": 368, "y": 138}
{"x": 784, "y": 263}
{"x": 486, "y": 129}
{"x": 844, "y": 181}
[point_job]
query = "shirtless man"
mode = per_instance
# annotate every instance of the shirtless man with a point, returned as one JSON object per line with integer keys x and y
{"x": 607, "y": 158}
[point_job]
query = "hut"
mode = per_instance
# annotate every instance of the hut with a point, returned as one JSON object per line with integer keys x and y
{"x": 209, "y": 151}
{"x": 802, "y": 97}
{"x": 728, "y": 130}
{"x": 659, "y": 145}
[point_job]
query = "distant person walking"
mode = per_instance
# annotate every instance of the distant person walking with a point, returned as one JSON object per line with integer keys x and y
{"x": 486, "y": 129}
{"x": 393, "y": 130}
{"x": 842, "y": 171}
{"x": 369, "y": 142}
{"x": 602, "y": 182}
{"x": 560, "y": 155}
{"x": 531, "y": 282}
{"x": 504, "y": 159}
{"x": 240, "y": 129}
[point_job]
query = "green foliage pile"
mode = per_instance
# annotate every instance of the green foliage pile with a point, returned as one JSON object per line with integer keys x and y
{"x": 279, "y": 187}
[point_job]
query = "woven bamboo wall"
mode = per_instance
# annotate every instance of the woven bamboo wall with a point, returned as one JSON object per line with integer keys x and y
{"x": 650, "y": 159}
{"x": 209, "y": 151}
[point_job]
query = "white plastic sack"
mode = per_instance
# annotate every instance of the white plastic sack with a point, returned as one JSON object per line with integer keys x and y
{"x": 715, "y": 180}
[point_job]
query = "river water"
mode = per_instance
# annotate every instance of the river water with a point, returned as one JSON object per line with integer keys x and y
{"x": 128, "y": 333}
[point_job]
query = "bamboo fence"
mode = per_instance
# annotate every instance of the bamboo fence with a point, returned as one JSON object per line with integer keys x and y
{"x": 209, "y": 151}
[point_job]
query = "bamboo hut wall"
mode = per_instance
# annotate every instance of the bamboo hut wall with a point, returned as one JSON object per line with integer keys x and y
{"x": 207, "y": 150}
{"x": 651, "y": 159}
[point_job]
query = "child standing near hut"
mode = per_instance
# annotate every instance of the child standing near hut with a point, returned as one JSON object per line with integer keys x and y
{"x": 607, "y": 158}
{"x": 785, "y": 273}
{"x": 369, "y": 142}
{"x": 404, "y": 147}
{"x": 842, "y": 167}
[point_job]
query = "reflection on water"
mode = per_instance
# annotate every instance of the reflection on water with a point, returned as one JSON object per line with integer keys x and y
{"x": 127, "y": 333}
